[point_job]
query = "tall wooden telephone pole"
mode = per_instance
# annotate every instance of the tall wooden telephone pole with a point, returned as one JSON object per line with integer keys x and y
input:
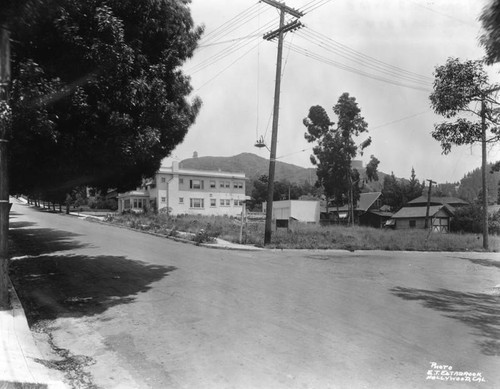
{"x": 4, "y": 184}
{"x": 279, "y": 33}
{"x": 426, "y": 225}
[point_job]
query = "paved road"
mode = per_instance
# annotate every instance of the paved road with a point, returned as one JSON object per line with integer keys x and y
{"x": 139, "y": 311}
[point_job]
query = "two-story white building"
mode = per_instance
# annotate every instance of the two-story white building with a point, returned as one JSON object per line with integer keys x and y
{"x": 187, "y": 191}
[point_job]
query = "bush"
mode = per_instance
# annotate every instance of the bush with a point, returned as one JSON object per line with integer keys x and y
{"x": 470, "y": 219}
{"x": 203, "y": 237}
{"x": 103, "y": 203}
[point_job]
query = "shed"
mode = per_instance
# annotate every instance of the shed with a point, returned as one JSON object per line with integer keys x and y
{"x": 300, "y": 210}
{"x": 414, "y": 217}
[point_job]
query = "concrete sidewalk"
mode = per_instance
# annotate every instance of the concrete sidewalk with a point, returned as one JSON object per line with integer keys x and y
{"x": 19, "y": 353}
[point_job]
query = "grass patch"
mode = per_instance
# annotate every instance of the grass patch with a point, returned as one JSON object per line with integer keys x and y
{"x": 305, "y": 236}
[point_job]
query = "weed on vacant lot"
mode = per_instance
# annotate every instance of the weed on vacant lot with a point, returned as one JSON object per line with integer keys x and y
{"x": 307, "y": 236}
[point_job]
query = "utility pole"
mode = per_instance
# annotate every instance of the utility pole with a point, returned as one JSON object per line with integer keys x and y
{"x": 426, "y": 225}
{"x": 4, "y": 184}
{"x": 279, "y": 33}
{"x": 483, "y": 174}
{"x": 483, "y": 165}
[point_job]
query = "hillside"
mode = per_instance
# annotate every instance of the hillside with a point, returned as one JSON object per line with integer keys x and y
{"x": 471, "y": 185}
{"x": 254, "y": 166}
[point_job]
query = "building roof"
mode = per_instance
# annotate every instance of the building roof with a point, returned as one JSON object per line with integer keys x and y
{"x": 134, "y": 193}
{"x": 422, "y": 200}
{"x": 365, "y": 201}
{"x": 203, "y": 173}
{"x": 418, "y": 212}
{"x": 381, "y": 213}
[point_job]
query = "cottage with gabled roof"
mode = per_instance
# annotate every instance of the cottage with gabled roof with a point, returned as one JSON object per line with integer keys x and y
{"x": 414, "y": 217}
{"x": 435, "y": 200}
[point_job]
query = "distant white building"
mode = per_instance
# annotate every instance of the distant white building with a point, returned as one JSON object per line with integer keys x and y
{"x": 307, "y": 211}
{"x": 187, "y": 191}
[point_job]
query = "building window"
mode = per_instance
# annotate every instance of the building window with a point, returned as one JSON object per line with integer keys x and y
{"x": 163, "y": 199}
{"x": 196, "y": 203}
{"x": 126, "y": 204}
{"x": 196, "y": 184}
{"x": 413, "y": 223}
{"x": 181, "y": 200}
{"x": 225, "y": 202}
{"x": 139, "y": 203}
{"x": 163, "y": 179}
{"x": 228, "y": 184}
{"x": 181, "y": 180}
{"x": 212, "y": 184}
{"x": 213, "y": 202}
{"x": 238, "y": 203}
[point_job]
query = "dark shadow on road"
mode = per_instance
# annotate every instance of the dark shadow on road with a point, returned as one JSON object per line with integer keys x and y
{"x": 74, "y": 286}
{"x": 483, "y": 262}
{"x": 478, "y": 310}
{"x": 26, "y": 240}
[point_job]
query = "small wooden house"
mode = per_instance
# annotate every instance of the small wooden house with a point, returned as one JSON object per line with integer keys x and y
{"x": 414, "y": 217}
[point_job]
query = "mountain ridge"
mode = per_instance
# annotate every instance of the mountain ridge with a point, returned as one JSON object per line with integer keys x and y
{"x": 255, "y": 166}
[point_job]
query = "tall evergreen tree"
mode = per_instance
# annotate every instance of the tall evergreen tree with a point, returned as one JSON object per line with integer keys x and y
{"x": 335, "y": 148}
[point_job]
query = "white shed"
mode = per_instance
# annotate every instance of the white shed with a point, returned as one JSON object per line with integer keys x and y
{"x": 301, "y": 210}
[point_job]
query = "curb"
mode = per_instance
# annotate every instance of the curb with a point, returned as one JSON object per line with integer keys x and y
{"x": 19, "y": 354}
{"x": 174, "y": 238}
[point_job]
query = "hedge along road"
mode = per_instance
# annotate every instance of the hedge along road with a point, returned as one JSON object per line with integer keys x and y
{"x": 139, "y": 311}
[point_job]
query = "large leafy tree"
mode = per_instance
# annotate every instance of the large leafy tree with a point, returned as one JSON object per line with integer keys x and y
{"x": 335, "y": 148}
{"x": 397, "y": 193}
{"x": 283, "y": 190}
{"x": 98, "y": 96}
{"x": 463, "y": 92}
{"x": 490, "y": 39}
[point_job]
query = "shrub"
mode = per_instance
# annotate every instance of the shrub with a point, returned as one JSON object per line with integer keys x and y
{"x": 203, "y": 237}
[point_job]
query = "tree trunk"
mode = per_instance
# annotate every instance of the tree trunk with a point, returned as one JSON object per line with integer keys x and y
{"x": 4, "y": 183}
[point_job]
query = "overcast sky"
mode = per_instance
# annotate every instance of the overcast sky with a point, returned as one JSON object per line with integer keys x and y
{"x": 397, "y": 43}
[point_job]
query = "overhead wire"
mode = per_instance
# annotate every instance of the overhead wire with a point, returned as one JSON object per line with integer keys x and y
{"x": 374, "y": 67}
{"x": 237, "y": 23}
{"x": 328, "y": 61}
{"x": 227, "y": 67}
{"x": 229, "y": 50}
{"x": 228, "y": 41}
{"x": 335, "y": 47}
{"x": 304, "y": 7}
{"x": 228, "y": 25}
{"x": 370, "y": 128}
{"x": 315, "y": 6}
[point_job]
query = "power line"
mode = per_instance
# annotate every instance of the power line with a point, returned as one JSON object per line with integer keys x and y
{"x": 228, "y": 50}
{"x": 228, "y": 41}
{"x": 316, "y": 6}
{"x": 365, "y": 63}
{"x": 227, "y": 67}
{"x": 369, "y": 128}
{"x": 235, "y": 24}
{"x": 333, "y": 43}
{"x": 351, "y": 69}
{"x": 228, "y": 24}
